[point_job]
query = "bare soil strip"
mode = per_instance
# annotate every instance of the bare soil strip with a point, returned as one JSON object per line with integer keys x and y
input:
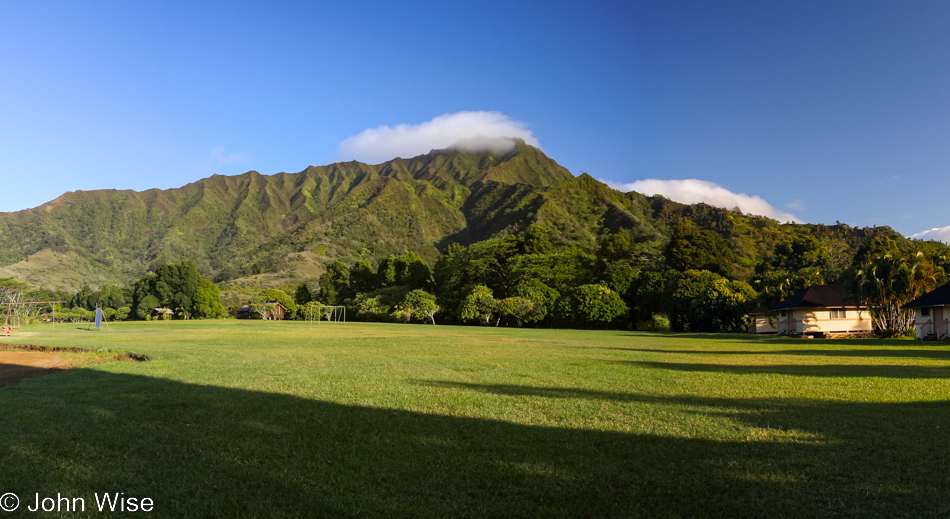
{"x": 18, "y": 365}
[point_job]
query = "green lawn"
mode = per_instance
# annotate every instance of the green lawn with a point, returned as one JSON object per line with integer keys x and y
{"x": 257, "y": 419}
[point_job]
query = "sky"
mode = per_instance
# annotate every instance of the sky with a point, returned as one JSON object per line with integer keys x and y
{"x": 810, "y": 111}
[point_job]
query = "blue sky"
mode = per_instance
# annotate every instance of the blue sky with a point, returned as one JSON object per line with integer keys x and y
{"x": 828, "y": 111}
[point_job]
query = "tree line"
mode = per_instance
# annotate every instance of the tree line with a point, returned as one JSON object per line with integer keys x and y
{"x": 691, "y": 282}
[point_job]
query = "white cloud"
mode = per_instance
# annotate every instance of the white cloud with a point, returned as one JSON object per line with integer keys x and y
{"x": 796, "y": 205}
{"x": 219, "y": 155}
{"x": 694, "y": 191}
{"x": 470, "y": 130}
{"x": 937, "y": 233}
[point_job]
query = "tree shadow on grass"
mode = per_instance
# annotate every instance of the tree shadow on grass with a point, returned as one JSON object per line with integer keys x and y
{"x": 804, "y": 370}
{"x": 866, "y": 459}
{"x": 902, "y": 354}
{"x": 219, "y": 452}
{"x": 12, "y": 373}
{"x": 773, "y": 339}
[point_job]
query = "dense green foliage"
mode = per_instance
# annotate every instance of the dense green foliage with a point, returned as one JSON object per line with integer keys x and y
{"x": 179, "y": 288}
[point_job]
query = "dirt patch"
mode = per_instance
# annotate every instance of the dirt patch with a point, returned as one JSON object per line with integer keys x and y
{"x": 20, "y": 361}
{"x": 18, "y": 365}
{"x": 132, "y": 357}
{"x": 49, "y": 349}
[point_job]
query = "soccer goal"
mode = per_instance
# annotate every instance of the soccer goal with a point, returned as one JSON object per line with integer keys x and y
{"x": 329, "y": 313}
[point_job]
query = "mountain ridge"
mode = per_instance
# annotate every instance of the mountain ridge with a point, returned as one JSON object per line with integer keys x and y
{"x": 289, "y": 225}
{"x": 247, "y": 218}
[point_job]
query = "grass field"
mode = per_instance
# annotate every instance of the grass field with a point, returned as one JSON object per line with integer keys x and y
{"x": 260, "y": 419}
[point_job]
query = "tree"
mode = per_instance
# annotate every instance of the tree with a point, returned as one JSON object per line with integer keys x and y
{"x": 81, "y": 314}
{"x": 373, "y": 308}
{"x": 886, "y": 277}
{"x": 619, "y": 276}
{"x": 520, "y": 308}
{"x": 260, "y": 309}
{"x": 421, "y": 303}
{"x": 542, "y": 297}
{"x": 483, "y": 263}
{"x": 11, "y": 292}
{"x": 690, "y": 249}
{"x": 183, "y": 286}
{"x": 145, "y": 306}
{"x": 408, "y": 270}
{"x": 302, "y": 294}
{"x": 335, "y": 283}
{"x": 795, "y": 264}
{"x": 535, "y": 241}
{"x": 207, "y": 300}
{"x": 645, "y": 295}
{"x": 84, "y": 298}
{"x": 559, "y": 270}
{"x": 108, "y": 296}
{"x": 122, "y": 313}
{"x": 479, "y": 305}
{"x": 703, "y": 301}
{"x": 621, "y": 262}
{"x": 362, "y": 278}
{"x": 175, "y": 286}
{"x": 591, "y": 305}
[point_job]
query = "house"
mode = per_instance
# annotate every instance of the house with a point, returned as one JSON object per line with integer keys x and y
{"x": 822, "y": 311}
{"x": 763, "y": 321}
{"x": 272, "y": 310}
{"x": 930, "y": 319}
{"x": 160, "y": 313}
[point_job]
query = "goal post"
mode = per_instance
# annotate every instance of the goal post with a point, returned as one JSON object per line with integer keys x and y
{"x": 331, "y": 313}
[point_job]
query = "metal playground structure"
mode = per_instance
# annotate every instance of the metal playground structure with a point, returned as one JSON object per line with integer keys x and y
{"x": 18, "y": 311}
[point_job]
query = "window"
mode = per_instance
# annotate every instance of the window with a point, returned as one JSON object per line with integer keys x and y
{"x": 783, "y": 313}
{"x": 838, "y": 314}
{"x": 925, "y": 312}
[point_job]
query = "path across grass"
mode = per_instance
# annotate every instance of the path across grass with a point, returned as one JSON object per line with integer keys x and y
{"x": 268, "y": 419}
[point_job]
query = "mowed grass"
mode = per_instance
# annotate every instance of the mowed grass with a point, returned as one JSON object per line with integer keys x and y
{"x": 289, "y": 419}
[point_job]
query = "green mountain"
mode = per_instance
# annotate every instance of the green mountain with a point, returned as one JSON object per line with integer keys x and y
{"x": 249, "y": 224}
{"x": 287, "y": 226}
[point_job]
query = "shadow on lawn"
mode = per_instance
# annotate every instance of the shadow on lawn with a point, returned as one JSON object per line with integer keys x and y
{"x": 902, "y": 354}
{"x": 211, "y": 451}
{"x": 804, "y": 370}
{"x": 13, "y": 373}
{"x": 772, "y": 339}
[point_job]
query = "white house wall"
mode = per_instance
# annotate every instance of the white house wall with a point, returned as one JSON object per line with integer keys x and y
{"x": 819, "y": 321}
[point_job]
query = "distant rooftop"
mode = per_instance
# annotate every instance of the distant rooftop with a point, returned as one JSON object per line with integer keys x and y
{"x": 818, "y": 296}
{"x": 940, "y": 296}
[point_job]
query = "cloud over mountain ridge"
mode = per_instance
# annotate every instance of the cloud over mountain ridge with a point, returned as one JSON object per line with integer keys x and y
{"x": 471, "y": 131}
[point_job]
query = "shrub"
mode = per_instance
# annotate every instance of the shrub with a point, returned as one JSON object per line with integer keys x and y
{"x": 591, "y": 305}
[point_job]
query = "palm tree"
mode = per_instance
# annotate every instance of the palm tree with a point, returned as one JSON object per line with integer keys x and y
{"x": 886, "y": 278}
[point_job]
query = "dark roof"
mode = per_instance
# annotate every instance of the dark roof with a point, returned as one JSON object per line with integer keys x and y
{"x": 759, "y": 310}
{"x": 247, "y": 308}
{"x": 817, "y": 296}
{"x": 940, "y": 296}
